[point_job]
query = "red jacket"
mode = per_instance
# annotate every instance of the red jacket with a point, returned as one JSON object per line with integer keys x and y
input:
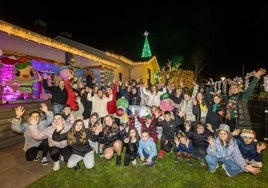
{"x": 71, "y": 96}
{"x": 111, "y": 106}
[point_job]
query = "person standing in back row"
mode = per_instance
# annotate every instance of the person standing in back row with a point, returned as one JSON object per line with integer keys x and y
{"x": 59, "y": 94}
{"x": 237, "y": 115}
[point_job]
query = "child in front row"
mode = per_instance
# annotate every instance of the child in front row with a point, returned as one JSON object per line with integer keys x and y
{"x": 132, "y": 143}
{"x": 183, "y": 148}
{"x": 147, "y": 149}
{"x": 224, "y": 149}
{"x": 249, "y": 148}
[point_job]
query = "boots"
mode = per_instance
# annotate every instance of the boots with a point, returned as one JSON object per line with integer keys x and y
{"x": 118, "y": 160}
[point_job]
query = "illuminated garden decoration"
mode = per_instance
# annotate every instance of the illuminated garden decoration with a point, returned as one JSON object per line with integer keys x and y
{"x": 146, "y": 52}
{"x": 177, "y": 75}
{"x": 11, "y": 83}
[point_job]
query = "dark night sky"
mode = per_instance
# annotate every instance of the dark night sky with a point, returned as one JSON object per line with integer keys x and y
{"x": 230, "y": 33}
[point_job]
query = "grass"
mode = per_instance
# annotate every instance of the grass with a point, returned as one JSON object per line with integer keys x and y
{"x": 166, "y": 173}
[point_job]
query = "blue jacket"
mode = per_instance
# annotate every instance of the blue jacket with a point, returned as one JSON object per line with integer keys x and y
{"x": 232, "y": 152}
{"x": 184, "y": 148}
{"x": 148, "y": 147}
{"x": 248, "y": 151}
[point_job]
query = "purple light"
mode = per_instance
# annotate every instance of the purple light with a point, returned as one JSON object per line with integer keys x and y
{"x": 8, "y": 93}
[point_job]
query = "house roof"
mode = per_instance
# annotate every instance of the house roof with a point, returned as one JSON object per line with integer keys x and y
{"x": 68, "y": 45}
{"x": 90, "y": 50}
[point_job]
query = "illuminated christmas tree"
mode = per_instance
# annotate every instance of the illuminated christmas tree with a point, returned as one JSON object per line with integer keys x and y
{"x": 146, "y": 52}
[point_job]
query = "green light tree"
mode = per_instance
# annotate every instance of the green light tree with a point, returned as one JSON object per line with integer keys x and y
{"x": 146, "y": 52}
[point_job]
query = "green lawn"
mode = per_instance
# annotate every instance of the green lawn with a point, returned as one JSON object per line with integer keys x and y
{"x": 166, "y": 173}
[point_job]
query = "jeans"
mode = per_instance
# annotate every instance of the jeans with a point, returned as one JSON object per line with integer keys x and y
{"x": 153, "y": 159}
{"x": 231, "y": 167}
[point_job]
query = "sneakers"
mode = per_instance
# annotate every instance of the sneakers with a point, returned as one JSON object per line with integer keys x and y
{"x": 177, "y": 159}
{"x": 36, "y": 158}
{"x": 203, "y": 162}
{"x": 56, "y": 165}
{"x": 134, "y": 162}
{"x": 161, "y": 154}
{"x": 151, "y": 166}
{"x": 223, "y": 166}
{"x": 44, "y": 161}
{"x": 143, "y": 163}
{"x": 100, "y": 152}
{"x": 190, "y": 163}
{"x": 215, "y": 168}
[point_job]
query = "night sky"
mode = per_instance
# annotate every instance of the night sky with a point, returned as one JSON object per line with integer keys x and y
{"x": 230, "y": 33}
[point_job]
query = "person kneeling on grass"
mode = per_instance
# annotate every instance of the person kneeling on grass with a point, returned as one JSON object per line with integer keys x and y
{"x": 224, "y": 149}
{"x": 147, "y": 149}
{"x": 78, "y": 138}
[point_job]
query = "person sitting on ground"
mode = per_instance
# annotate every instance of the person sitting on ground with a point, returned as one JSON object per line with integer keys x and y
{"x": 31, "y": 145}
{"x": 112, "y": 137}
{"x": 91, "y": 124}
{"x": 147, "y": 149}
{"x": 224, "y": 149}
{"x": 169, "y": 129}
{"x": 56, "y": 149}
{"x": 183, "y": 147}
{"x": 132, "y": 143}
{"x": 199, "y": 136}
{"x": 250, "y": 149}
{"x": 77, "y": 137}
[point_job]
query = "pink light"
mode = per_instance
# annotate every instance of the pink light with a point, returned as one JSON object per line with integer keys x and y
{"x": 8, "y": 93}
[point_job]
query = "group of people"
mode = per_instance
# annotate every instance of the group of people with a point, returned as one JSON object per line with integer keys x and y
{"x": 203, "y": 125}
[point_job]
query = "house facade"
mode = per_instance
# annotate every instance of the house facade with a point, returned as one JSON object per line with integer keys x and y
{"x": 48, "y": 55}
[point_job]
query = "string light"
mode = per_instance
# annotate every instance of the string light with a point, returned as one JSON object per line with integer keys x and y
{"x": 31, "y": 36}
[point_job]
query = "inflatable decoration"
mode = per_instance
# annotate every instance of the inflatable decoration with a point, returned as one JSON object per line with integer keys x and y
{"x": 122, "y": 102}
{"x": 124, "y": 118}
{"x": 144, "y": 112}
{"x": 66, "y": 72}
{"x": 165, "y": 95}
{"x": 165, "y": 105}
{"x": 25, "y": 76}
{"x": 120, "y": 111}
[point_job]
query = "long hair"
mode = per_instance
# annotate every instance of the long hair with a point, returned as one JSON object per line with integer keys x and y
{"x": 73, "y": 135}
{"x": 109, "y": 129}
{"x": 136, "y": 131}
{"x": 151, "y": 90}
{"x": 90, "y": 124}
{"x": 229, "y": 138}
